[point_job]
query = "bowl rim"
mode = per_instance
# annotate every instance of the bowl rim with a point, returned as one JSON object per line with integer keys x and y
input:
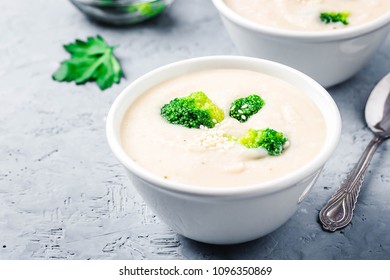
{"x": 113, "y": 138}
{"x": 327, "y": 35}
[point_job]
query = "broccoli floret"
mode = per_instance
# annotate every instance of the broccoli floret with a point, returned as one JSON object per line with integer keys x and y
{"x": 243, "y": 108}
{"x": 332, "y": 17}
{"x": 269, "y": 139}
{"x": 192, "y": 111}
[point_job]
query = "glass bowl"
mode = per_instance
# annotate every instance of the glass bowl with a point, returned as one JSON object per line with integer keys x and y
{"x": 120, "y": 12}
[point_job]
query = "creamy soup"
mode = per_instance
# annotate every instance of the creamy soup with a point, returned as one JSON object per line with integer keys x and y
{"x": 304, "y": 15}
{"x": 206, "y": 157}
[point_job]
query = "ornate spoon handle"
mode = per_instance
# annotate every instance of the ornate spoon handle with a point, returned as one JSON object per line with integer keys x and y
{"x": 338, "y": 212}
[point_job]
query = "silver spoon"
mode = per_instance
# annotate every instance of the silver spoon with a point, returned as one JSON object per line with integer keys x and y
{"x": 338, "y": 212}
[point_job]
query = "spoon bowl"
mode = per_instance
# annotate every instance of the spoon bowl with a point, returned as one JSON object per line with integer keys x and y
{"x": 379, "y": 120}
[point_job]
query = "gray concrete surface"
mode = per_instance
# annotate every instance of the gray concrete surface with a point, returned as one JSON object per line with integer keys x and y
{"x": 64, "y": 196}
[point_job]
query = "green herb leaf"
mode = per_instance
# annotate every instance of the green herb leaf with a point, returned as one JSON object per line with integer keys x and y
{"x": 92, "y": 60}
{"x": 146, "y": 9}
{"x": 150, "y": 9}
{"x": 332, "y": 17}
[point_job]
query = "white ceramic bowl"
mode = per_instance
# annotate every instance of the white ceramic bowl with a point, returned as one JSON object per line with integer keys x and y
{"x": 225, "y": 215}
{"x": 330, "y": 57}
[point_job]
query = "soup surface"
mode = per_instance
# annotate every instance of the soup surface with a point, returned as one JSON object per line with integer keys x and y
{"x": 206, "y": 157}
{"x": 304, "y": 15}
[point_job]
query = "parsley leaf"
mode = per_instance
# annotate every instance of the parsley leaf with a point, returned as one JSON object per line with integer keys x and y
{"x": 92, "y": 60}
{"x": 146, "y": 9}
{"x": 150, "y": 9}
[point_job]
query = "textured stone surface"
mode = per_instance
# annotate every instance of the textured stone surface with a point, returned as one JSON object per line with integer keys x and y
{"x": 64, "y": 196}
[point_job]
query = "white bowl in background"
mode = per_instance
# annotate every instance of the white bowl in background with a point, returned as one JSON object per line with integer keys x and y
{"x": 330, "y": 57}
{"x": 225, "y": 215}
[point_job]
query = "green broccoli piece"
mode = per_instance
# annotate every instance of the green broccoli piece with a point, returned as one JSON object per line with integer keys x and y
{"x": 269, "y": 139}
{"x": 243, "y": 108}
{"x": 332, "y": 17}
{"x": 192, "y": 111}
